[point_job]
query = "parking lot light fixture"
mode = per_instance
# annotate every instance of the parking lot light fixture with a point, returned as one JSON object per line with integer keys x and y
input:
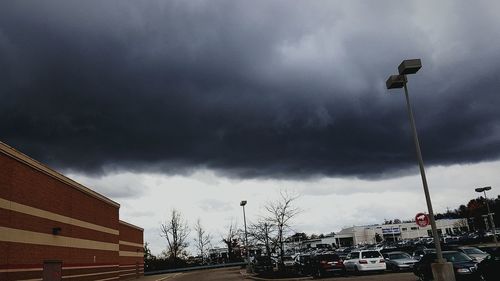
{"x": 412, "y": 66}
{"x": 242, "y": 204}
{"x": 490, "y": 215}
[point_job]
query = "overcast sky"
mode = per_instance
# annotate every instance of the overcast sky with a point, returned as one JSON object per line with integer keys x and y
{"x": 199, "y": 104}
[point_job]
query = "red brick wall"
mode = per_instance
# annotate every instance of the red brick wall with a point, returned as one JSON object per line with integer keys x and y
{"x": 131, "y": 266}
{"x": 88, "y": 252}
{"x": 30, "y": 187}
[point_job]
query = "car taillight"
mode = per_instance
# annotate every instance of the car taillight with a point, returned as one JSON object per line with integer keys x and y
{"x": 382, "y": 261}
{"x": 363, "y": 261}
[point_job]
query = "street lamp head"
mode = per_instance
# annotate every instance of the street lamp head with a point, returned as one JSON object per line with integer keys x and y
{"x": 395, "y": 81}
{"x": 481, "y": 189}
{"x": 409, "y": 66}
{"x": 243, "y": 203}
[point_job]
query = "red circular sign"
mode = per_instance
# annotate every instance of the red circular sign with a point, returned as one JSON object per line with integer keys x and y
{"x": 422, "y": 219}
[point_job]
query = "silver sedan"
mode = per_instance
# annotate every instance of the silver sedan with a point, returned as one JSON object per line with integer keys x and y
{"x": 398, "y": 261}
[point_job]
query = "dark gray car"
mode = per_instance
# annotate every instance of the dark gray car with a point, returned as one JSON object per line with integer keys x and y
{"x": 398, "y": 261}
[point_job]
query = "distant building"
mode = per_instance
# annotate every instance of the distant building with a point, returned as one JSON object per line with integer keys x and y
{"x": 359, "y": 235}
{"x": 53, "y": 228}
{"x": 367, "y": 234}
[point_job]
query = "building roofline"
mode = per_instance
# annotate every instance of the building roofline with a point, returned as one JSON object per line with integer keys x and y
{"x": 23, "y": 158}
{"x": 131, "y": 225}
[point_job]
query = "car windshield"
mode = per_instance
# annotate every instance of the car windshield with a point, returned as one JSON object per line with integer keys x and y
{"x": 472, "y": 251}
{"x": 456, "y": 257}
{"x": 370, "y": 254}
{"x": 399, "y": 256}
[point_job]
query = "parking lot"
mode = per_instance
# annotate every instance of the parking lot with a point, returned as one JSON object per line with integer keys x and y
{"x": 234, "y": 273}
{"x": 381, "y": 262}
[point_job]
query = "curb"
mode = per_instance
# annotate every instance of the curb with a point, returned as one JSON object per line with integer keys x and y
{"x": 250, "y": 276}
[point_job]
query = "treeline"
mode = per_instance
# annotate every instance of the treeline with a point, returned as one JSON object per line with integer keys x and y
{"x": 268, "y": 230}
{"x": 473, "y": 211}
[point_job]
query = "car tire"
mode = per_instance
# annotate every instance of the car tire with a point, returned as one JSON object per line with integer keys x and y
{"x": 394, "y": 268}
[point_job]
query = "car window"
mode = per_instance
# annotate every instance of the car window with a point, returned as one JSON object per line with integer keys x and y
{"x": 472, "y": 251}
{"x": 399, "y": 256}
{"x": 354, "y": 255}
{"x": 456, "y": 257}
{"x": 329, "y": 257}
{"x": 370, "y": 254}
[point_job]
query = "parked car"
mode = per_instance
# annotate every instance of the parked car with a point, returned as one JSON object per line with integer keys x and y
{"x": 489, "y": 268}
{"x": 473, "y": 253}
{"x": 263, "y": 263}
{"x": 397, "y": 261}
{"x": 366, "y": 260}
{"x": 463, "y": 266}
{"x": 450, "y": 240}
{"x": 303, "y": 263}
{"x": 343, "y": 252}
{"x": 419, "y": 253}
{"x": 488, "y": 249}
{"x": 326, "y": 264}
{"x": 288, "y": 262}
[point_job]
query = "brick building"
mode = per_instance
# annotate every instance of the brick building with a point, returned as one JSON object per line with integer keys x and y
{"x": 53, "y": 228}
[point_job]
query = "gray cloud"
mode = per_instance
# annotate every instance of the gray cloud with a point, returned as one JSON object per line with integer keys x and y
{"x": 250, "y": 89}
{"x": 215, "y": 205}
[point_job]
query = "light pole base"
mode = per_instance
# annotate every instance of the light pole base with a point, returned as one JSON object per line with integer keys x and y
{"x": 443, "y": 271}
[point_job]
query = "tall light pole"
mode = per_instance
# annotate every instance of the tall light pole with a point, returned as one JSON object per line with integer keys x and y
{"x": 441, "y": 270}
{"x": 490, "y": 215}
{"x": 242, "y": 204}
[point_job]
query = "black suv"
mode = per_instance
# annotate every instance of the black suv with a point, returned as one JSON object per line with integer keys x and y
{"x": 463, "y": 266}
{"x": 262, "y": 263}
{"x": 489, "y": 268}
{"x": 304, "y": 264}
{"x": 322, "y": 264}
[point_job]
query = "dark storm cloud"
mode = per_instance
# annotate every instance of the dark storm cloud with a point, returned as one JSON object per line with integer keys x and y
{"x": 246, "y": 88}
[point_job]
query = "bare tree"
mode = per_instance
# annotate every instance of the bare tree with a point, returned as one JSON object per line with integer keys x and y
{"x": 202, "y": 239}
{"x": 280, "y": 213}
{"x": 263, "y": 231}
{"x": 176, "y": 231}
{"x": 461, "y": 224}
{"x": 231, "y": 239}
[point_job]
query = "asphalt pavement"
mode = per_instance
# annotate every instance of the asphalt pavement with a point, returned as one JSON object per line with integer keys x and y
{"x": 233, "y": 274}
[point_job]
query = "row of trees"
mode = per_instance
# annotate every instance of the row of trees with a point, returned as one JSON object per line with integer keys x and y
{"x": 269, "y": 229}
{"x": 473, "y": 212}
{"x": 176, "y": 231}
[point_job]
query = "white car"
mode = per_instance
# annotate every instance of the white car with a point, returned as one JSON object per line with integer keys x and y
{"x": 365, "y": 260}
